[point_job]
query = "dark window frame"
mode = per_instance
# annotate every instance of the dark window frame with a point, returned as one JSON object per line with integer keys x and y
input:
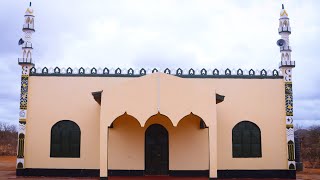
{"x": 65, "y": 140}
{"x": 246, "y": 140}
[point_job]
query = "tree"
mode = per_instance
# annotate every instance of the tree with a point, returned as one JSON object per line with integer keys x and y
{"x": 310, "y": 145}
{"x": 8, "y": 139}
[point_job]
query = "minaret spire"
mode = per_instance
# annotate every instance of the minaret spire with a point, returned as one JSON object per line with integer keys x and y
{"x": 26, "y": 63}
{"x": 286, "y": 65}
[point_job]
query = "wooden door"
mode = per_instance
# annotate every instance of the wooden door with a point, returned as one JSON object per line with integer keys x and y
{"x": 156, "y": 150}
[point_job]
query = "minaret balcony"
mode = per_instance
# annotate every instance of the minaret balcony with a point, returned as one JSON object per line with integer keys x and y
{"x": 285, "y": 48}
{"x": 291, "y": 64}
{"x": 25, "y": 61}
{"x": 28, "y": 27}
{"x": 284, "y": 29}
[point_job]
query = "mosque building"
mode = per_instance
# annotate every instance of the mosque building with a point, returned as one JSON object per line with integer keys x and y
{"x": 103, "y": 122}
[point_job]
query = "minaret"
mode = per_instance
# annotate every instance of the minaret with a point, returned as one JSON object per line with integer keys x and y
{"x": 26, "y": 63}
{"x": 286, "y": 66}
{"x": 28, "y": 29}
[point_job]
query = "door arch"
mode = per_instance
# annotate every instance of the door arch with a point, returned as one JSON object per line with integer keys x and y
{"x": 156, "y": 150}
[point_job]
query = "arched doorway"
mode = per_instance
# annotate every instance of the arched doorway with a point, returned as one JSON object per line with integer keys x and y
{"x": 156, "y": 150}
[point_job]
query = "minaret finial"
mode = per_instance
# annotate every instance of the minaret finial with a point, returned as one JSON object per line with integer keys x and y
{"x": 282, "y": 6}
{"x": 30, "y": 4}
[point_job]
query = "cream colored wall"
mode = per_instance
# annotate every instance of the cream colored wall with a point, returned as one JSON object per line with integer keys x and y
{"x": 258, "y": 101}
{"x": 145, "y": 96}
{"x": 170, "y": 95}
{"x": 188, "y": 144}
{"x": 52, "y": 99}
{"x": 58, "y": 98}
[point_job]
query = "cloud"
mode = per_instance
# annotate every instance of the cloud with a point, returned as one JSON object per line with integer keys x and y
{"x": 146, "y": 33}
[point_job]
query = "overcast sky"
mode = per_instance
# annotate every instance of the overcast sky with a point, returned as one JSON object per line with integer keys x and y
{"x": 163, "y": 33}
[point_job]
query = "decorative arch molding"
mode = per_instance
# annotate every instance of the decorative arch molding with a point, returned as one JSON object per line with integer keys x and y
{"x": 254, "y": 123}
{"x": 121, "y": 117}
{"x": 154, "y": 119}
{"x": 66, "y": 121}
{"x": 182, "y": 73}
{"x": 192, "y": 116}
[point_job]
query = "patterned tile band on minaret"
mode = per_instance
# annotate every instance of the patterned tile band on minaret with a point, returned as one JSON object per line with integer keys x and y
{"x": 286, "y": 66}
{"x": 26, "y": 64}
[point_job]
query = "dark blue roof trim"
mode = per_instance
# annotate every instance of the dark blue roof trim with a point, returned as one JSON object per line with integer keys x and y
{"x": 191, "y": 73}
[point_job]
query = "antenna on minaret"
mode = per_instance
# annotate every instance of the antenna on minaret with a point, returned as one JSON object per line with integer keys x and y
{"x": 30, "y": 4}
{"x": 282, "y": 5}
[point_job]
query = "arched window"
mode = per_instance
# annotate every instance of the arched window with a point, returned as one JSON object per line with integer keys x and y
{"x": 29, "y": 54}
{"x": 65, "y": 139}
{"x": 28, "y": 20}
{"x": 246, "y": 140}
{"x": 285, "y": 23}
{"x": 287, "y": 56}
{"x": 24, "y": 53}
{"x": 31, "y": 23}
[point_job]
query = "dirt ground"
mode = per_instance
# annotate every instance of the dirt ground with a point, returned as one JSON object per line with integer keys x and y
{"x": 7, "y": 171}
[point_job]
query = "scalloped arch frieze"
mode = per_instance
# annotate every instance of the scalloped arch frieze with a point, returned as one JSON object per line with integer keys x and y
{"x": 191, "y": 72}
{"x": 69, "y": 70}
{"x": 196, "y": 73}
{"x": 154, "y": 70}
{"x": 240, "y": 72}
{"x": 167, "y": 71}
{"x": 179, "y": 71}
{"x": 143, "y": 71}
{"x": 93, "y": 71}
{"x": 131, "y": 71}
{"x": 203, "y": 72}
{"x": 82, "y": 71}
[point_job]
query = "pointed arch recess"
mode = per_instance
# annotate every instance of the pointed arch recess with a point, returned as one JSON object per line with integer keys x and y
{"x": 159, "y": 119}
{"x": 191, "y": 117}
{"x": 124, "y": 117}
